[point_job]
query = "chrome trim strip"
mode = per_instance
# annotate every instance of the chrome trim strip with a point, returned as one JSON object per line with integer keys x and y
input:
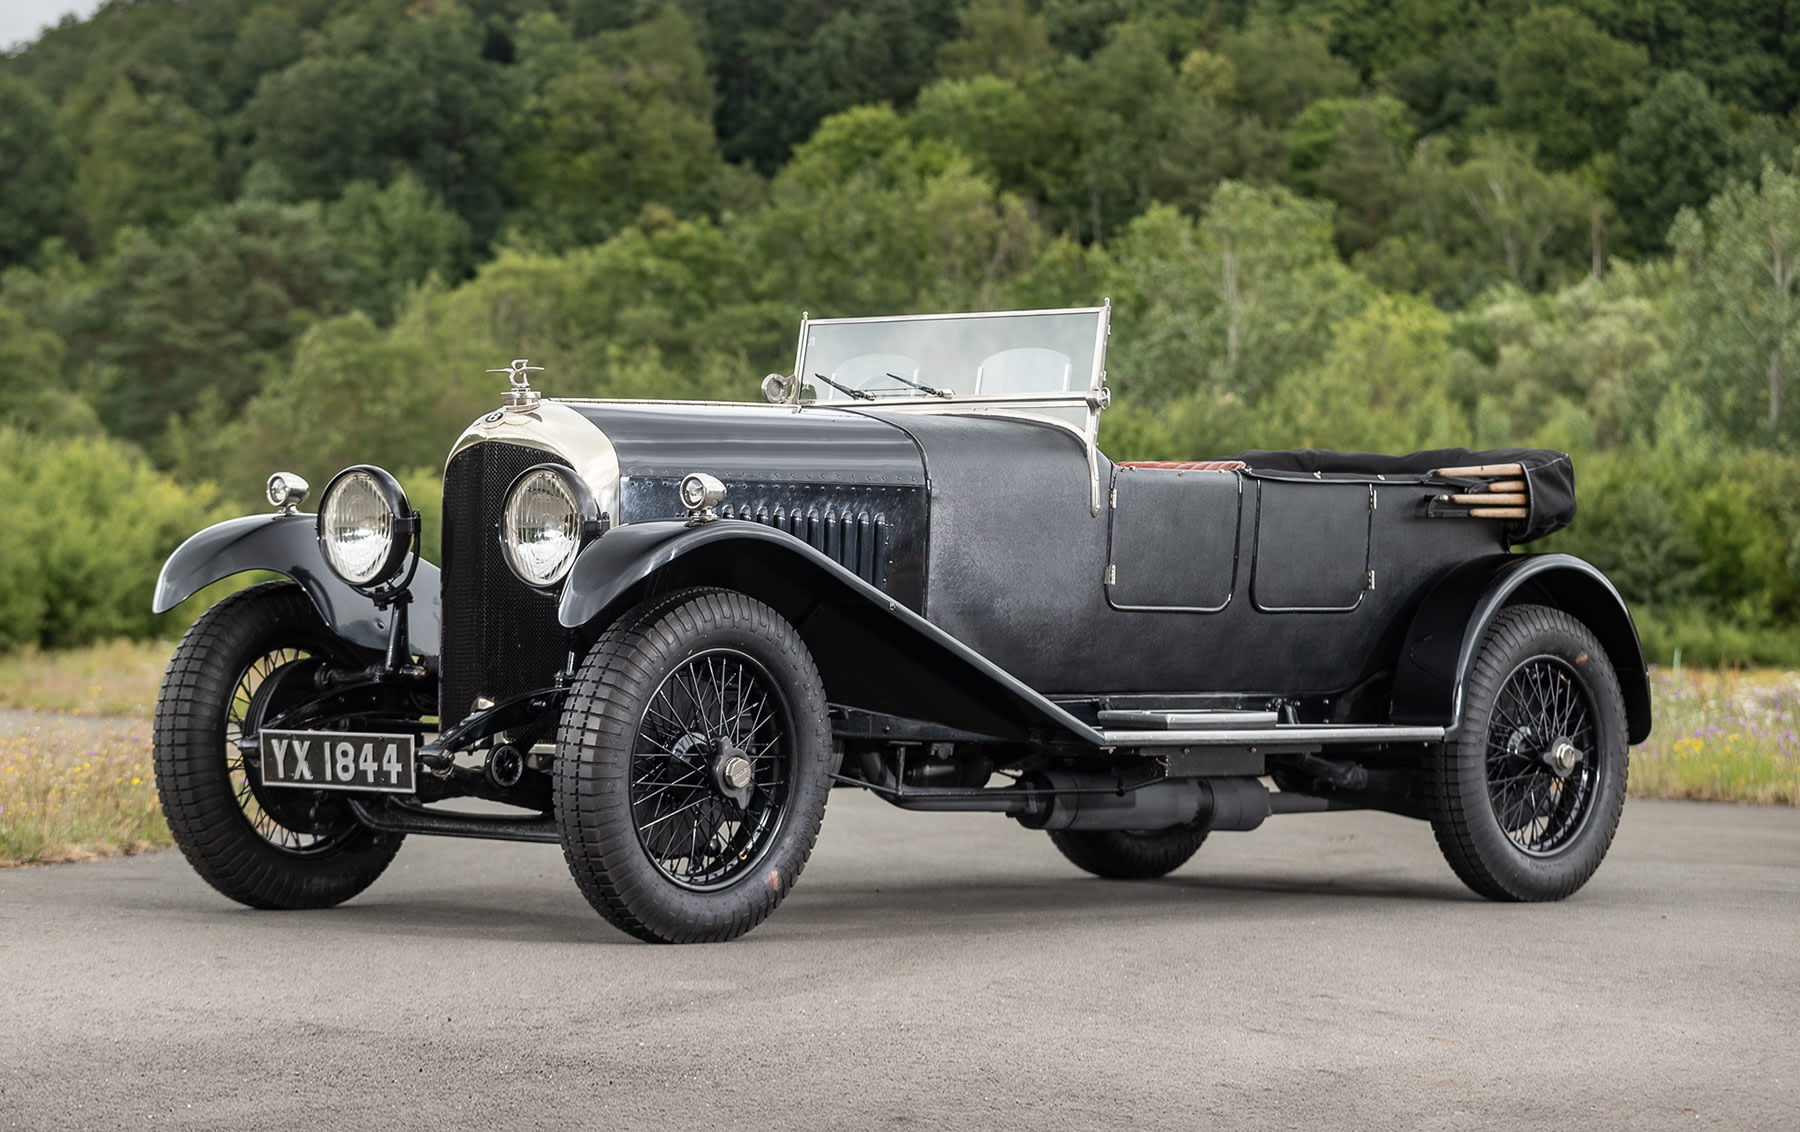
{"x": 1274, "y": 736}
{"x": 951, "y": 314}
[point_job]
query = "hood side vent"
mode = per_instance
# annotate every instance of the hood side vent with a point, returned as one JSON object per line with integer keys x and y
{"x": 855, "y": 540}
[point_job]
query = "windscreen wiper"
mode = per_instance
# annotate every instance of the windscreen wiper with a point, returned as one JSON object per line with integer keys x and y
{"x": 859, "y": 394}
{"x": 921, "y": 385}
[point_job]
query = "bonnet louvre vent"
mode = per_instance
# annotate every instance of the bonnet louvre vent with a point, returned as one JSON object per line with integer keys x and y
{"x": 857, "y": 541}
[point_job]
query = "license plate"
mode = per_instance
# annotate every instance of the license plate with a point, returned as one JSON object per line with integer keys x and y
{"x": 338, "y": 760}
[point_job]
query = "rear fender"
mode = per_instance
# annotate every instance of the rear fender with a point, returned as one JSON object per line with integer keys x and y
{"x": 1446, "y": 634}
{"x": 289, "y": 544}
{"x": 873, "y": 652}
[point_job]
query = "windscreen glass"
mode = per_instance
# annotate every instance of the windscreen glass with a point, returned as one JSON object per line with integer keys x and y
{"x": 1001, "y": 355}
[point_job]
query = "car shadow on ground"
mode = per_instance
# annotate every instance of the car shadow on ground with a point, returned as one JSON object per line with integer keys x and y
{"x": 834, "y": 910}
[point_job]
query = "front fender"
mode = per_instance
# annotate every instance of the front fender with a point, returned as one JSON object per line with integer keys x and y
{"x": 288, "y": 544}
{"x": 1446, "y": 633}
{"x": 873, "y": 652}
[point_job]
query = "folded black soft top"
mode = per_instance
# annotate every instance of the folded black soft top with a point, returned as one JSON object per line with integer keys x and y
{"x": 1549, "y": 476}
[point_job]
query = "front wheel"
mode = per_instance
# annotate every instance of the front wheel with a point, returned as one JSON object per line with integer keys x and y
{"x": 1526, "y": 799}
{"x": 246, "y": 659}
{"x": 692, "y": 767}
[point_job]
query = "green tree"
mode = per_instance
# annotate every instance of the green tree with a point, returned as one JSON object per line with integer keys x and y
{"x": 352, "y": 395}
{"x": 148, "y": 160}
{"x": 1460, "y": 228}
{"x": 210, "y": 309}
{"x": 1741, "y": 315}
{"x": 1282, "y": 68}
{"x": 988, "y": 118}
{"x": 36, "y": 171}
{"x": 34, "y": 386}
{"x": 627, "y": 125}
{"x": 1674, "y": 154}
{"x": 393, "y": 239}
{"x": 1382, "y": 386}
{"x": 997, "y": 37}
{"x": 267, "y": 39}
{"x": 1320, "y": 130}
{"x": 865, "y": 220}
{"x": 413, "y": 92}
{"x": 783, "y": 66}
{"x": 1568, "y": 84}
{"x": 1227, "y": 303}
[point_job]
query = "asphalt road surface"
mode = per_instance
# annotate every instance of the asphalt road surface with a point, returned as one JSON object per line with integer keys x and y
{"x": 932, "y": 972}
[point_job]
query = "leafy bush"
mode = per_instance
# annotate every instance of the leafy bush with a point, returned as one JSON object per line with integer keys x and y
{"x": 85, "y": 524}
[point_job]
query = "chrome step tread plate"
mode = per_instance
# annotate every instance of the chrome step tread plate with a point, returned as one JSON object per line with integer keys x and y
{"x": 1186, "y": 720}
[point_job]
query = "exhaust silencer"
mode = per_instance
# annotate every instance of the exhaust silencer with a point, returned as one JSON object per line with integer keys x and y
{"x": 1089, "y": 801}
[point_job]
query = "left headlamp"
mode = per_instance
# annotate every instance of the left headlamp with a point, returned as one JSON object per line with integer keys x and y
{"x": 366, "y": 526}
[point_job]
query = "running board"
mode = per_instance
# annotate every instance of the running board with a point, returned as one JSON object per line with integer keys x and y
{"x": 1282, "y": 737}
{"x": 1244, "y": 751}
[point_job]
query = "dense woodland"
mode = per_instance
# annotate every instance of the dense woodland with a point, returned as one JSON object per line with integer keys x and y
{"x": 242, "y": 234}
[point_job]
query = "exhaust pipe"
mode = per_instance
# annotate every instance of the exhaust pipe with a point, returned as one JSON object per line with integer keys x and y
{"x": 1060, "y": 799}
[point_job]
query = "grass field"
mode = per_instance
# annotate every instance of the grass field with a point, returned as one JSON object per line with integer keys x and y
{"x": 71, "y": 790}
{"x": 76, "y": 782}
{"x": 1722, "y": 737}
{"x": 118, "y": 678}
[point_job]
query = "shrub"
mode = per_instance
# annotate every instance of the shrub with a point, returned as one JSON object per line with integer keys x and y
{"x": 85, "y": 524}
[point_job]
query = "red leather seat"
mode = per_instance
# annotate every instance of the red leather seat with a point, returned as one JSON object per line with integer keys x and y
{"x": 1186, "y": 465}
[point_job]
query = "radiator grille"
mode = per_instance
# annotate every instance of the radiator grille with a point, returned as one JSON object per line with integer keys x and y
{"x": 500, "y": 636}
{"x": 855, "y": 540}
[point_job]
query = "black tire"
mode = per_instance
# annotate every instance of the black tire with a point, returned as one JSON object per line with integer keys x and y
{"x": 265, "y": 848}
{"x": 1129, "y": 854}
{"x": 1513, "y": 822}
{"x": 637, "y": 758}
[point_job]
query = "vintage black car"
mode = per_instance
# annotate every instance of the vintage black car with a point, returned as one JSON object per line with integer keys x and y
{"x": 663, "y": 631}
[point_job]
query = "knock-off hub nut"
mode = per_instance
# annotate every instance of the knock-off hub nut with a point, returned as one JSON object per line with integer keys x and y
{"x": 1562, "y": 756}
{"x": 732, "y": 772}
{"x": 735, "y": 772}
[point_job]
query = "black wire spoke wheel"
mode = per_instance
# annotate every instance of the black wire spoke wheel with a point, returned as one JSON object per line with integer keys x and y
{"x": 1525, "y": 800}
{"x": 247, "y": 659}
{"x": 1542, "y": 800}
{"x": 297, "y": 823}
{"x": 717, "y": 703}
{"x": 692, "y": 767}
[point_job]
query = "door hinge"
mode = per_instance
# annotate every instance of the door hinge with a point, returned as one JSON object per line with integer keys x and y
{"x": 1115, "y": 499}
{"x": 1369, "y": 580}
{"x": 1112, "y": 575}
{"x": 1373, "y": 502}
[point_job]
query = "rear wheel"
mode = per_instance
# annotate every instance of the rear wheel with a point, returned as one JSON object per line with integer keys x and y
{"x": 1526, "y": 800}
{"x": 247, "y": 658}
{"x": 1126, "y": 854}
{"x": 692, "y": 767}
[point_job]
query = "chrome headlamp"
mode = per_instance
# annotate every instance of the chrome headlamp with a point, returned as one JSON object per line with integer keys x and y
{"x": 365, "y": 526}
{"x": 548, "y": 516}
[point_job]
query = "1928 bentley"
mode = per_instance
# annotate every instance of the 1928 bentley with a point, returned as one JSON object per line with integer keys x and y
{"x": 663, "y": 631}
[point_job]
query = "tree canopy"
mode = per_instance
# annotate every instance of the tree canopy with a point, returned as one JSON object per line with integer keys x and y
{"x": 242, "y": 232}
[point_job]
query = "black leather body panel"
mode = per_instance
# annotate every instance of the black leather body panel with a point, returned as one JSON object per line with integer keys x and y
{"x": 1174, "y": 539}
{"x": 1312, "y": 546}
{"x": 1016, "y": 569}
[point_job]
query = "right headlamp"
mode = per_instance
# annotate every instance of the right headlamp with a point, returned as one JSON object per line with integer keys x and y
{"x": 548, "y": 516}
